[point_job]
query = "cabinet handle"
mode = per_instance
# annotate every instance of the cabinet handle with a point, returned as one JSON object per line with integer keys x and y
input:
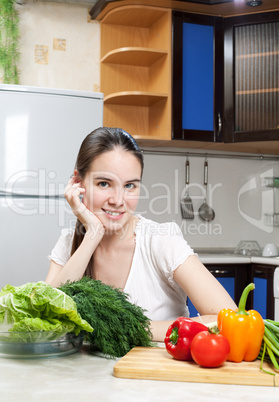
{"x": 217, "y": 271}
{"x": 260, "y": 273}
{"x": 219, "y": 123}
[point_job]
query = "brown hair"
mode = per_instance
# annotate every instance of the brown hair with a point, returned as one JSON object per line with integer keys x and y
{"x": 99, "y": 141}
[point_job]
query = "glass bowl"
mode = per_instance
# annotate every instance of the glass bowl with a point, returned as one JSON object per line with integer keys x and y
{"x": 30, "y": 345}
{"x": 247, "y": 248}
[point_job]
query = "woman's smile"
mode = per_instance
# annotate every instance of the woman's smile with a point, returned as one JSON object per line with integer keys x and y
{"x": 113, "y": 214}
{"x": 113, "y": 187}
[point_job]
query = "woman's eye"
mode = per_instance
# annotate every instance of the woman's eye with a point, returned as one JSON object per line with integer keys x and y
{"x": 130, "y": 186}
{"x": 103, "y": 184}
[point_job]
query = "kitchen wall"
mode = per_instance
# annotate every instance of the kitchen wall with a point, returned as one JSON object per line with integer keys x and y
{"x": 59, "y": 46}
{"x": 60, "y": 49}
{"x": 236, "y": 192}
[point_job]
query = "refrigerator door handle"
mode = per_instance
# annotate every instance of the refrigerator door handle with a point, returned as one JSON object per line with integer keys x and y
{"x": 4, "y": 193}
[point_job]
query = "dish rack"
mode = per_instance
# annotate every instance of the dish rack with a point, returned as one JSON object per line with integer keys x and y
{"x": 272, "y": 219}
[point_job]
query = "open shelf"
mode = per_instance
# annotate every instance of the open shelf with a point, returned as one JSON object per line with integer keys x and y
{"x": 134, "y": 16}
{"x": 136, "y": 70}
{"x": 134, "y": 98}
{"x": 140, "y": 121}
{"x": 134, "y": 56}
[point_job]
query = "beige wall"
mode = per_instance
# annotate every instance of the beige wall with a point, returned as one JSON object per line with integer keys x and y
{"x": 59, "y": 46}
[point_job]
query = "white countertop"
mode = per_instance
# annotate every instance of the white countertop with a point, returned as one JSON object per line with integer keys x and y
{"x": 212, "y": 258}
{"x": 89, "y": 377}
{"x": 266, "y": 260}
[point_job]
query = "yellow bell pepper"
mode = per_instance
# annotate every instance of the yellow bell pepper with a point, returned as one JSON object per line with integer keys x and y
{"x": 243, "y": 329}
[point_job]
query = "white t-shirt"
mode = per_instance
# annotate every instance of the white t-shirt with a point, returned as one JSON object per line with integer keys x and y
{"x": 160, "y": 249}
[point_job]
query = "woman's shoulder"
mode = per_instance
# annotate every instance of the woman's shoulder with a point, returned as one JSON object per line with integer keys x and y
{"x": 157, "y": 231}
{"x": 163, "y": 244}
{"x": 149, "y": 227}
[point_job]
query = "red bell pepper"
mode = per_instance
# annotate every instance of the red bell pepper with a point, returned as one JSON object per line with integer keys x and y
{"x": 180, "y": 335}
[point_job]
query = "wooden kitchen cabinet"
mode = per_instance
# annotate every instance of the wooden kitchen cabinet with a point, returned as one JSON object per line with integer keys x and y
{"x": 235, "y": 277}
{"x": 197, "y": 108}
{"x": 244, "y": 100}
{"x": 135, "y": 70}
{"x": 251, "y": 57}
{"x": 261, "y": 298}
{"x": 142, "y": 84}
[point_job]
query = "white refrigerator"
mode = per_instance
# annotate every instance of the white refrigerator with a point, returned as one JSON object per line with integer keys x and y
{"x": 40, "y": 134}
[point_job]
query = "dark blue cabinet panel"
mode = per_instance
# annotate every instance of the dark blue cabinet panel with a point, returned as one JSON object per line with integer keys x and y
{"x": 193, "y": 312}
{"x": 198, "y": 67}
{"x": 260, "y": 296}
{"x": 236, "y": 277}
{"x": 197, "y": 77}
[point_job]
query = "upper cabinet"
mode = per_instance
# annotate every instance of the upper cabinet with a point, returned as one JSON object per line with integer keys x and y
{"x": 197, "y": 108}
{"x": 189, "y": 79}
{"x": 135, "y": 70}
{"x": 252, "y": 77}
{"x": 225, "y": 78}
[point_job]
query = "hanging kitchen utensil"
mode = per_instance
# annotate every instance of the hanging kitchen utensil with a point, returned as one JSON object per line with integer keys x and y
{"x": 206, "y": 213}
{"x": 186, "y": 204}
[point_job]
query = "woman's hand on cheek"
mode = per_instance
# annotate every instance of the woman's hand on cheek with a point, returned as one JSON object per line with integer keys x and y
{"x": 73, "y": 191}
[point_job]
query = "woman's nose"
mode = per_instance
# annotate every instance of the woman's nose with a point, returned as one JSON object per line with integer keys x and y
{"x": 117, "y": 197}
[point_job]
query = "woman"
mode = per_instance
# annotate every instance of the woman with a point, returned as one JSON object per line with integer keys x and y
{"x": 149, "y": 261}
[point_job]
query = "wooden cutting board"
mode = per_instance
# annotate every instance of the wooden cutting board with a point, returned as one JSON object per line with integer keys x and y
{"x": 157, "y": 364}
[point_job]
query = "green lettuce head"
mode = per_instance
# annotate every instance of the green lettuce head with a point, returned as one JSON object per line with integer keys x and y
{"x": 39, "y": 307}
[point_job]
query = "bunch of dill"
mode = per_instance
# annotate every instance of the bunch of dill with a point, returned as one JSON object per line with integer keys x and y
{"x": 118, "y": 324}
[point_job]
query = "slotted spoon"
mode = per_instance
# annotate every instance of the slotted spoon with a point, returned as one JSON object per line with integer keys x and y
{"x": 206, "y": 213}
{"x": 186, "y": 204}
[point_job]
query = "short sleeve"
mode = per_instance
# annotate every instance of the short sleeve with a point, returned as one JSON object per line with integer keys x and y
{"x": 62, "y": 250}
{"x": 169, "y": 248}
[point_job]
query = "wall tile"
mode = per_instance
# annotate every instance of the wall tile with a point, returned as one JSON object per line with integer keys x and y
{"x": 59, "y": 44}
{"x": 41, "y": 54}
{"x": 66, "y": 43}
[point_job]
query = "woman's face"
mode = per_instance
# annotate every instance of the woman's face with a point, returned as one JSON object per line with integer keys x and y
{"x": 112, "y": 188}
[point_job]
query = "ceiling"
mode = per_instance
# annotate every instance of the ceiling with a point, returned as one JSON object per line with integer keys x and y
{"x": 213, "y": 7}
{"x": 223, "y": 8}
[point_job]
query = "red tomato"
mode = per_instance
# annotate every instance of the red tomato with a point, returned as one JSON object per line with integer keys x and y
{"x": 209, "y": 349}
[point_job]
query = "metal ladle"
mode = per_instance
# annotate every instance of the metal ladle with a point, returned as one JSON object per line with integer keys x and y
{"x": 206, "y": 213}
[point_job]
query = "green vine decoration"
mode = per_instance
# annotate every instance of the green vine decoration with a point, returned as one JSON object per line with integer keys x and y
{"x": 9, "y": 41}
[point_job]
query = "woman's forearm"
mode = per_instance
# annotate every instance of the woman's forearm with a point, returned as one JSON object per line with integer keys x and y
{"x": 75, "y": 268}
{"x": 159, "y": 330}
